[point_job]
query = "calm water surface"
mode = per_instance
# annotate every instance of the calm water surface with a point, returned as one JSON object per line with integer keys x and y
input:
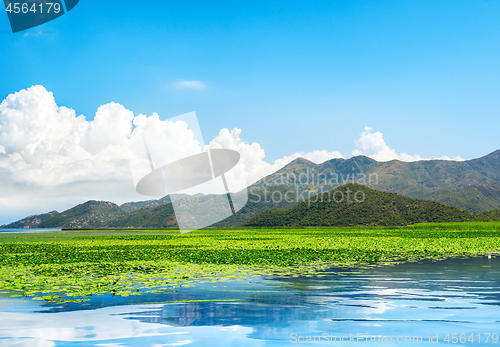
{"x": 30, "y": 230}
{"x": 380, "y": 305}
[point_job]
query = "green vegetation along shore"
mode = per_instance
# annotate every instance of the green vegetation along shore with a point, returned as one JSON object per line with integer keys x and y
{"x": 275, "y": 206}
{"x": 355, "y": 204}
{"x": 70, "y": 266}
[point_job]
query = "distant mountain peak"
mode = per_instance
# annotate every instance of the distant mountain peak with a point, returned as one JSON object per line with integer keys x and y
{"x": 301, "y": 161}
{"x": 362, "y": 159}
{"x": 90, "y": 214}
{"x": 30, "y": 221}
{"x": 494, "y": 154}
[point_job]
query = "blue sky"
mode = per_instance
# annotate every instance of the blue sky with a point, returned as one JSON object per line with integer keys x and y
{"x": 293, "y": 75}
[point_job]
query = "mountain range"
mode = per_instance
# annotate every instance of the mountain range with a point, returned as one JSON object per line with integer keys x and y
{"x": 354, "y": 204}
{"x": 472, "y": 186}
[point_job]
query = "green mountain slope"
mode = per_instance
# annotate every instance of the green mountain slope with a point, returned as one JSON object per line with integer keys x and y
{"x": 475, "y": 198}
{"x": 137, "y": 205}
{"x": 416, "y": 179}
{"x": 354, "y": 204}
{"x": 163, "y": 215}
{"x": 259, "y": 201}
{"x": 489, "y": 216}
{"x": 134, "y": 206}
{"x": 91, "y": 214}
{"x": 150, "y": 217}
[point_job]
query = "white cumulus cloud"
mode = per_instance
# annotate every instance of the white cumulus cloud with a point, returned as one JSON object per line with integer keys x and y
{"x": 252, "y": 155}
{"x": 47, "y": 145}
{"x": 372, "y": 144}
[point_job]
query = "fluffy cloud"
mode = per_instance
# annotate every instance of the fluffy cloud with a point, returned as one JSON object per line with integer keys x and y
{"x": 166, "y": 141}
{"x": 252, "y": 155}
{"x": 46, "y": 145}
{"x": 51, "y": 158}
{"x": 373, "y": 145}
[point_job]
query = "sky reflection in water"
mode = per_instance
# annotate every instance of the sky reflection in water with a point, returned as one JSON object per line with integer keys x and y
{"x": 414, "y": 299}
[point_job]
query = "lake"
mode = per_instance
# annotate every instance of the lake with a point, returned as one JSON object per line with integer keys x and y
{"x": 450, "y": 302}
{"x": 27, "y": 230}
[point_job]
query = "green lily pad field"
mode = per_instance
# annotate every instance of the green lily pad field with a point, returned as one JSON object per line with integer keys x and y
{"x": 70, "y": 266}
